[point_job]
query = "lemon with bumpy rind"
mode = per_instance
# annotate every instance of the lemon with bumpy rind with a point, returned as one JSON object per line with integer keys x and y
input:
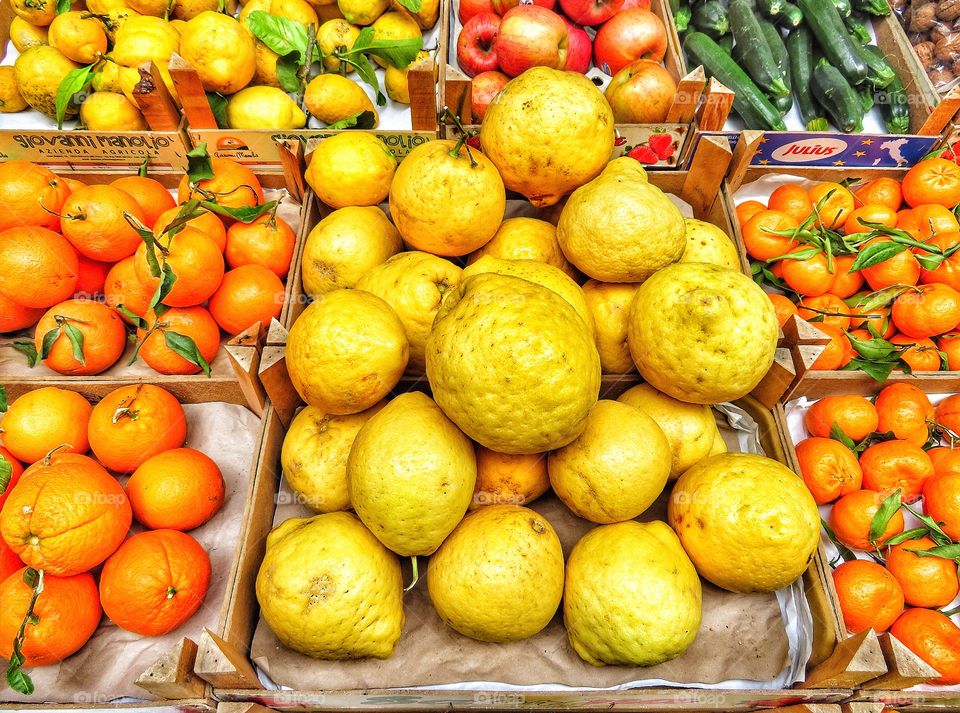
{"x": 23, "y": 35}
{"x": 523, "y": 238}
{"x": 446, "y": 198}
{"x": 10, "y": 99}
{"x": 609, "y": 305}
{"x": 702, "y": 333}
{"x": 332, "y": 98}
{"x": 346, "y": 351}
{"x": 39, "y": 72}
{"x": 264, "y": 108}
{"x": 512, "y": 364}
{"x": 619, "y": 227}
{"x": 548, "y": 132}
{"x": 412, "y": 473}
{"x": 332, "y": 35}
{"x": 661, "y": 616}
{"x": 708, "y": 243}
{"x": 351, "y": 168}
{"x": 221, "y": 50}
{"x": 416, "y": 285}
{"x": 748, "y": 522}
{"x": 616, "y": 468}
{"x": 314, "y": 456}
{"x": 80, "y": 37}
{"x": 690, "y": 429}
{"x": 107, "y": 111}
{"x": 499, "y": 576}
{"x": 328, "y": 588}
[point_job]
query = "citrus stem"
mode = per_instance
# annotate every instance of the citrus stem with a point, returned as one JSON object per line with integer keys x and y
{"x": 416, "y": 574}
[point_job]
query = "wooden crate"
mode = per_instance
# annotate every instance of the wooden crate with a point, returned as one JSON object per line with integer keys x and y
{"x": 234, "y": 372}
{"x": 170, "y": 680}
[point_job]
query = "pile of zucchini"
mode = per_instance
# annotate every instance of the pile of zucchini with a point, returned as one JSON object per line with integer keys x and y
{"x": 812, "y": 53}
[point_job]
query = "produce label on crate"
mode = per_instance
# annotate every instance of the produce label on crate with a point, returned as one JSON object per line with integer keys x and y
{"x": 65, "y": 148}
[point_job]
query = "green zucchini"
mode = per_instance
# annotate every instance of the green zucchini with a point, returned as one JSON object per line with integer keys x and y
{"x": 844, "y": 8}
{"x": 878, "y": 8}
{"x": 783, "y": 104}
{"x": 711, "y": 19}
{"x": 790, "y": 17}
{"x": 893, "y": 102}
{"x": 749, "y": 102}
{"x": 770, "y": 8}
{"x": 837, "y": 97}
{"x": 775, "y": 41}
{"x": 880, "y": 73}
{"x": 758, "y": 61}
{"x": 856, "y": 24}
{"x": 800, "y": 54}
{"x": 866, "y": 97}
{"x": 726, "y": 43}
{"x": 824, "y": 22}
{"x": 681, "y": 19}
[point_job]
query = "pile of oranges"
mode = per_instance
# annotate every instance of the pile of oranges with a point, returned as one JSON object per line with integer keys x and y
{"x": 875, "y": 267}
{"x": 881, "y": 463}
{"x": 89, "y": 266}
{"x": 64, "y": 514}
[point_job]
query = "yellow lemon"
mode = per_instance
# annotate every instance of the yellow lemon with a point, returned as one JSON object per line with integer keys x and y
{"x": 351, "y": 168}
{"x": 707, "y": 243}
{"x": 512, "y": 364}
{"x": 661, "y": 616}
{"x": 394, "y": 26}
{"x": 328, "y": 588}
{"x": 411, "y": 491}
{"x": 509, "y": 479}
{"x": 499, "y": 576}
{"x": 144, "y": 39}
{"x": 346, "y": 245}
{"x": 332, "y": 98}
{"x": 446, "y": 199}
{"x": 23, "y": 35}
{"x": 609, "y": 307}
{"x": 395, "y": 79}
{"x": 416, "y": 285}
{"x": 702, "y": 333}
{"x": 748, "y": 522}
{"x": 525, "y": 239}
{"x": 184, "y": 10}
{"x": 108, "y": 111}
{"x": 107, "y": 78}
{"x": 541, "y": 152}
{"x": 102, "y": 7}
{"x": 426, "y": 17}
{"x": 314, "y": 456}
{"x": 116, "y": 18}
{"x": 265, "y": 60}
{"x": 346, "y": 351}
{"x": 39, "y": 72}
{"x": 264, "y": 108}
{"x": 81, "y": 39}
{"x": 332, "y": 36}
{"x": 362, "y": 12}
{"x": 10, "y": 99}
{"x": 616, "y": 468}
{"x": 36, "y": 12}
{"x": 153, "y": 8}
{"x": 221, "y": 50}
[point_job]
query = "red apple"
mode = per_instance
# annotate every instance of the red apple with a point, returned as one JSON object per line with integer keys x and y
{"x": 627, "y": 4}
{"x": 476, "y": 45}
{"x": 469, "y": 8}
{"x": 579, "y": 49}
{"x": 502, "y": 6}
{"x": 591, "y": 12}
{"x": 628, "y": 36}
{"x": 531, "y": 36}
{"x": 484, "y": 87}
{"x": 641, "y": 93}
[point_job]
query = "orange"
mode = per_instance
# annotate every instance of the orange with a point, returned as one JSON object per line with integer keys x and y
{"x": 207, "y": 223}
{"x": 901, "y": 269}
{"x": 927, "y": 581}
{"x": 941, "y": 501}
{"x": 763, "y": 245}
{"x": 833, "y": 202}
{"x": 792, "y": 200}
{"x": 880, "y": 191}
{"x": 93, "y": 222}
{"x": 16, "y": 470}
{"x": 896, "y": 465}
{"x": 65, "y": 616}
{"x": 748, "y": 209}
{"x": 870, "y": 597}
{"x": 196, "y": 261}
{"x": 810, "y": 276}
{"x": 232, "y": 185}
{"x": 852, "y": 514}
{"x": 948, "y": 271}
{"x": 944, "y": 459}
{"x": 903, "y": 409}
{"x": 91, "y": 276}
{"x": 155, "y": 582}
{"x": 58, "y": 456}
{"x": 102, "y": 341}
{"x": 509, "y": 478}
{"x": 9, "y": 562}
{"x": 922, "y": 354}
{"x": 123, "y": 288}
{"x": 248, "y": 294}
{"x": 133, "y": 423}
{"x": 68, "y": 520}
{"x": 149, "y": 194}
{"x": 829, "y": 468}
{"x": 935, "y": 180}
{"x": 30, "y": 195}
{"x": 947, "y": 413}
{"x": 783, "y": 306}
{"x": 267, "y": 241}
{"x": 193, "y": 322}
{"x": 854, "y": 415}
{"x": 72, "y": 183}
{"x": 877, "y": 317}
{"x": 14, "y": 317}
{"x": 38, "y": 268}
{"x": 811, "y": 308}
{"x": 44, "y": 419}
{"x": 179, "y": 489}
{"x": 949, "y": 344}
{"x": 869, "y": 214}
{"x": 934, "y": 638}
{"x": 837, "y": 353}
{"x": 845, "y": 283}
{"x": 934, "y": 219}
{"x": 908, "y": 222}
